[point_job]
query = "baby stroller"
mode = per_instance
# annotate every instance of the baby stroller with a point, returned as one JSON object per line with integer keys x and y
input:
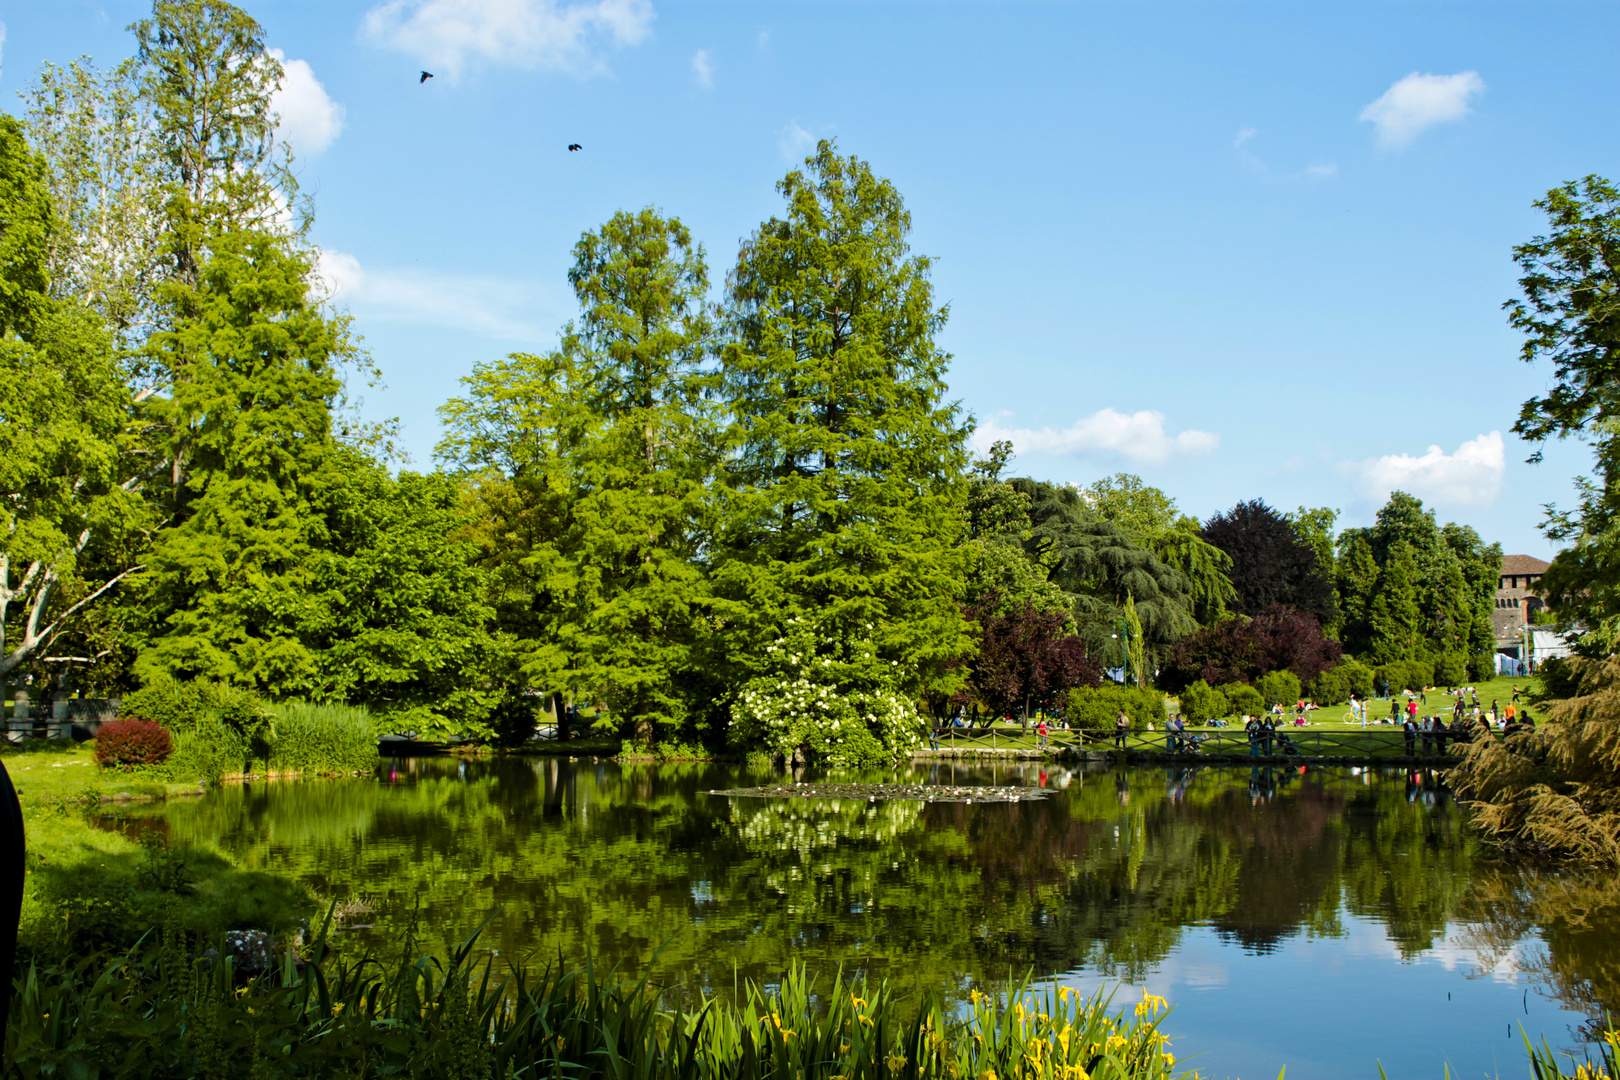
{"x": 1285, "y": 746}
{"x": 1193, "y": 744}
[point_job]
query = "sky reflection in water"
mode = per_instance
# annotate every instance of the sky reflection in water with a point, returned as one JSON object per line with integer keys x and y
{"x": 1317, "y": 920}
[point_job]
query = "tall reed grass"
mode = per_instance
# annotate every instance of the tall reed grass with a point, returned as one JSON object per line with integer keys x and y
{"x": 328, "y": 739}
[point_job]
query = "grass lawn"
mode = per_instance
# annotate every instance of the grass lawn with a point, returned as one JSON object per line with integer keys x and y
{"x": 88, "y": 879}
{"x": 48, "y": 770}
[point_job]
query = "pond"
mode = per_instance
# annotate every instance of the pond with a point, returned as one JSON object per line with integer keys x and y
{"x": 1322, "y": 919}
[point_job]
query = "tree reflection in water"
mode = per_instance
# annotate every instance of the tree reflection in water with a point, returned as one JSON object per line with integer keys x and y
{"x": 1107, "y": 875}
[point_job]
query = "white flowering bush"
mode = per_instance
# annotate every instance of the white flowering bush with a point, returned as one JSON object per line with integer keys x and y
{"x": 833, "y": 693}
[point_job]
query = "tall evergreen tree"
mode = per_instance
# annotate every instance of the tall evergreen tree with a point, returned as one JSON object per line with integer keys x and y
{"x": 616, "y": 436}
{"x": 207, "y": 75}
{"x": 1357, "y": 587}
{"x": 1394, "y": 617}
{"x": 843, "y": 500}
{"x": 1454, "y": 577}
{"x": 247, "y": 425}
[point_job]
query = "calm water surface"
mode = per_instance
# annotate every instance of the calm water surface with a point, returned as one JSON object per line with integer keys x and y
{"x": 1324, "y": 920}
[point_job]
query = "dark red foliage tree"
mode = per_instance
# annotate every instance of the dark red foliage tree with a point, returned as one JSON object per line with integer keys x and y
{"x": 1025, "y": 660}
{"x": 1242, "y": 650}
{"x": 1271, "y": 563}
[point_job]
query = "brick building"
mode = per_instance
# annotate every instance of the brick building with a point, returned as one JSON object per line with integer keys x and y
{"x": 1515, "y": 604}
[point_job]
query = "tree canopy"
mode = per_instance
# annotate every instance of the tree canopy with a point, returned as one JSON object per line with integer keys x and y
{"x": 1271, "y": 563}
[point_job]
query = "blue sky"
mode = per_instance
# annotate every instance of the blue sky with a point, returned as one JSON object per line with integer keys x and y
{"x": 1242, "y": 250}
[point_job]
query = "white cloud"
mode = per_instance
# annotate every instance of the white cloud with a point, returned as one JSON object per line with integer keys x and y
{"x": 1244, "y": 135}
{"x": 703, "y": 68}
{"x": 444, "y": 34}
{"x": 490, "y": 307}
{"x": 2, "y": 43}
{"x": 309, "y": 119}
{"x": 1137, "y": 437}
{"x": 1470, "y": 477}
{"x": 1321, "y": 172}
{"x": 795, "y": 142}
{"x": 1418, "y": 102}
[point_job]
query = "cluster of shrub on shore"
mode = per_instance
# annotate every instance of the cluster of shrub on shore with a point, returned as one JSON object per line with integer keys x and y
{"x": 193, "y": 731}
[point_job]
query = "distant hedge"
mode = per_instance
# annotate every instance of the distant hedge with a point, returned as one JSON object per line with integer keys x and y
{"x": 1093, "y": 708}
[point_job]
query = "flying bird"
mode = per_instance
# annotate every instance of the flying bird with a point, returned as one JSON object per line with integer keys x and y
{"x": 426, "y": 75}
{"x": 574, "y": 146}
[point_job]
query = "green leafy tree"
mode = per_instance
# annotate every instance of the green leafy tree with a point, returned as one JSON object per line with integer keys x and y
{"x": 1569, "y": 316}
{"x": 513, "y": 437}
{"x": 1279, "y": 687}
{"x": 65, "y": 481}
{"x": 843, "y": 495}
{"x": 1454, "y": 574}
{"x": 397, "y": 616}
{"x": 617, "y": 425}
{"x": 1315, "y": 526}
{"x": 98, "y": 136}
{"x": 1135, "y": 647}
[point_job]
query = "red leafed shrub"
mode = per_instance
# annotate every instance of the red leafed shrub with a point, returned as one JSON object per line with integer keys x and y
{"x": 132, "y": 742}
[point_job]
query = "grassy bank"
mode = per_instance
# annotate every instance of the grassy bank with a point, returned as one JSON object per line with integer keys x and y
{"x": 90, "y": 883}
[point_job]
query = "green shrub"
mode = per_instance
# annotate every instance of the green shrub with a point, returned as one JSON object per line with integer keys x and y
{"x": 325, "y": 739}
{"x": 1554, "y": 680}
{"x": 1331, "y": 688}
{"x": 1451, "y": 670}
{"x": 1280, "y": 687}
{"x": 1201, "y": 703}
{"x": 1093, "y": 708}
{"x": 1244, "y": 700}
{"x": 1358, "y": 678}
{"x": 179, "y": 706}
{"x": 1410, "y": 675}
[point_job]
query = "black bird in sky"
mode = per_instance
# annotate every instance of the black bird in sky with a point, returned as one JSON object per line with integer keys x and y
{"x": 574, "y": 146}
{"x": 426, "y": 75}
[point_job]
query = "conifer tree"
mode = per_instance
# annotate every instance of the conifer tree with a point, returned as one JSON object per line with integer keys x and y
{"x": 247, "y": 425}
{"x": 1394, "y": 617}
{"x": 614, "y": 434}
{"x": 843, "y": 501}
{"x": 1357, "y": 586}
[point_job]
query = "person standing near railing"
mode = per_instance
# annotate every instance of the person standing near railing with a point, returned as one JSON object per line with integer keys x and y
{"x": 1409, "y": 729}
{"x": 1251, "y": 727}
{"x": 1122, "y": 727}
